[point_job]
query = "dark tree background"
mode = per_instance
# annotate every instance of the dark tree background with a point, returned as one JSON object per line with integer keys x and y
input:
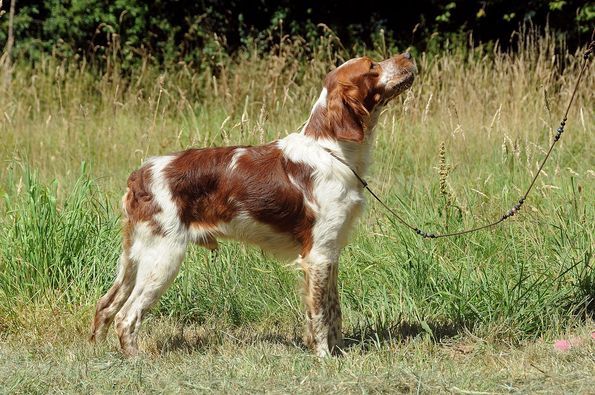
{"x": 183, "y": 30}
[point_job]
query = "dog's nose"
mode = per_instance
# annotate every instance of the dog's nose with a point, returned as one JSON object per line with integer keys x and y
{"x": 407, "y": 55}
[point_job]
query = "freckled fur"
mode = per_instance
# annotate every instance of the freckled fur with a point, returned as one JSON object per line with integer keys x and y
{"x": 290, "y": 197}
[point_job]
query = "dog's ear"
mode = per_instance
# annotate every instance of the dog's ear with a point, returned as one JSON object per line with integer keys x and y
{"x": 346, "y": 115}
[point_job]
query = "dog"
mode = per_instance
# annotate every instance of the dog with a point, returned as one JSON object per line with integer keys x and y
{"x": 296, "y": 197}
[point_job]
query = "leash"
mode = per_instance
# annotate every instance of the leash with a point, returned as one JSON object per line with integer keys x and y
{"x": 520, "y": 202}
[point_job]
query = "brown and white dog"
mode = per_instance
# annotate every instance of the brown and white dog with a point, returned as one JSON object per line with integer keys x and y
{"x": 291, "y": 197}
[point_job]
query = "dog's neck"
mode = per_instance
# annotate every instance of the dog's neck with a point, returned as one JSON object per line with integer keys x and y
{"x": 356, "y": 155}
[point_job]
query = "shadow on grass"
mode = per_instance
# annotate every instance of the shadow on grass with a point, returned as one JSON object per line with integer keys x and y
{"x": 362, "y": 338}
{"x": 191, "y": 343}
{"x": 369, "y": 337}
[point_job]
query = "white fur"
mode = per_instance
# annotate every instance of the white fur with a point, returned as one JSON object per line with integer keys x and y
{"x": 242, "y": 227}
{"x": 320, "y": 103}
{"x": 311, "y": 204}
{"x": 158, "y": 261}
{"x": 245, "y": 228}
{"x": 201, "y": 234}
{"x": 237, "y": 153}
{"x": 337, "y": 192}
{"x": 389, "y": 72}
{"x": 168, "y": 217}
{"x": 154, "y": 252}
{"x": 348, "y": 62}
{"x": 154, "y": 257}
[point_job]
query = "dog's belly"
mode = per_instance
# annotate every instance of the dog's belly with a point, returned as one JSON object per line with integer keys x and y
{"x": 245, "y": 229}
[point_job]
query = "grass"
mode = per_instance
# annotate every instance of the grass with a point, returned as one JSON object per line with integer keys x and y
{"x": 475, "y": 313}
{"x": 211, "y": 358}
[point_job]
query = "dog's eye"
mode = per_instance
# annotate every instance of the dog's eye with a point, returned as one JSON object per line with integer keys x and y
{"x": 372, "y": 66}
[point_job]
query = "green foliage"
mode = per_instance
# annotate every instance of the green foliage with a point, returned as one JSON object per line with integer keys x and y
{"x": 530, "y": 277}
{"x": 585, "y": 17}
{"x": 93, "y": 28}
{"x": 194, "y": 32}
{"x": 446, "y": 15}
{"x": 53, "y": 249}
{"x": 66, "y": 253}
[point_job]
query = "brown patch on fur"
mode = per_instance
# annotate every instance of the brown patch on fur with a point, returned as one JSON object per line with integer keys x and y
{"x": 196, "y": 177}
{"x": 207, "y": 191}
{"x": 262, "y": 184}
{"x": 353, "y": 91}
{"x": 350, "y": 96}
{"x": 138, "y": 203}
{"x": 103, "y": 303}
{"x": 127, "y": 229}
{"x": 307, "y": 298}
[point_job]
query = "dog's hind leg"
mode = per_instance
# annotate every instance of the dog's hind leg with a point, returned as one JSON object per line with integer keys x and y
{"x": 112, "y": 301}
{"x": 158, "y": 258}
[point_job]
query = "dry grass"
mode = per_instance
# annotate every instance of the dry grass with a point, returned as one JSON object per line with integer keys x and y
{"x": 468, "y": 314}
{"x": 209, "y": 358}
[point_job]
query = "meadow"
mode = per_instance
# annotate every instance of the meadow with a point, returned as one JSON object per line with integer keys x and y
{"x": 470, "y": 314}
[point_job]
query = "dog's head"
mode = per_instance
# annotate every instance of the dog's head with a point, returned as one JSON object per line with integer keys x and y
{"x": 359, "y": 88}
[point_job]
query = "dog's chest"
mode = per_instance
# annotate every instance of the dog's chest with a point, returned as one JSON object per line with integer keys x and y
{"x": 338, "y": 202}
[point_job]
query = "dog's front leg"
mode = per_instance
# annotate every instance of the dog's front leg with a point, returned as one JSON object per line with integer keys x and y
{"x": 323, "y": 310}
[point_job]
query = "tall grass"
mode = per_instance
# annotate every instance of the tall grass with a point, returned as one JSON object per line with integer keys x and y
{"x": 455, "y": 150}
